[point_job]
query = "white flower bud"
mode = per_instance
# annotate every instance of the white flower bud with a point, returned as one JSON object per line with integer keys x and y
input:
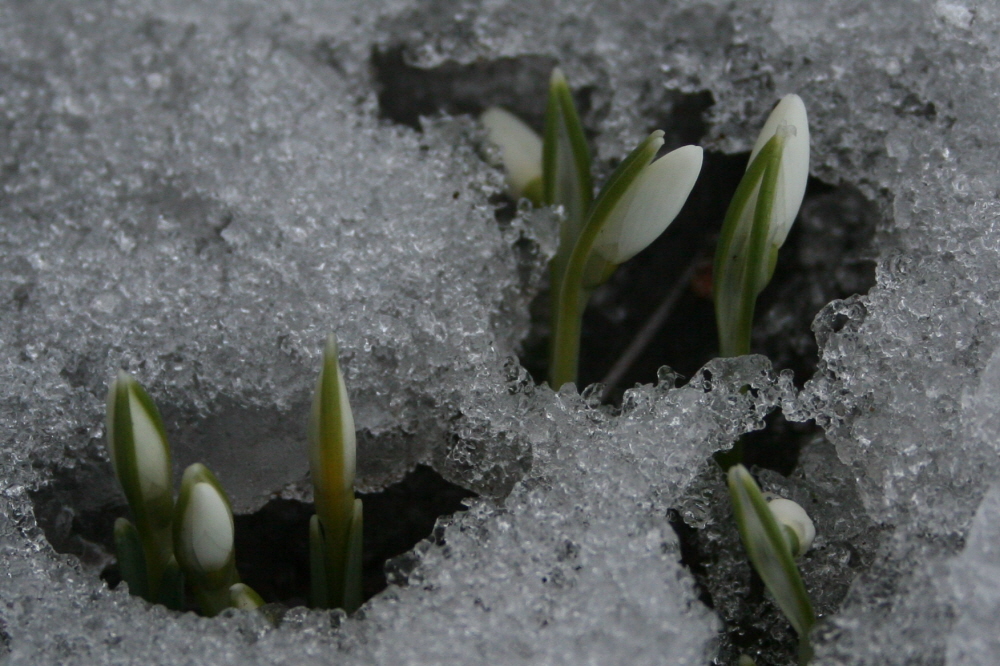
{"x": 206, "y": 531}
{"x": 790, "y": 121}
{"x": 650, "y": 204}
{"x": 147, "y": 445}
{"x": 793, "y": 517}
{"x": 520, "y": 146}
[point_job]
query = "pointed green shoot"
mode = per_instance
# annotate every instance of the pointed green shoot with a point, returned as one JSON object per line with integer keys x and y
{"x": 770, "y": 552}
{"x": 566, "y": 176}
{"x": 332, "y": 450}
{"x": 131, "y": 558}
{"x": 140, "y": 455}
{"x": 244, "y": 597}
{"x": 204, "y": 537}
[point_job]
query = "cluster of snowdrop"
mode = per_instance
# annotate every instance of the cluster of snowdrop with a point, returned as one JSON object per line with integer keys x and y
{"x": 171, "y": 548}
{"x": 637, "y": 203}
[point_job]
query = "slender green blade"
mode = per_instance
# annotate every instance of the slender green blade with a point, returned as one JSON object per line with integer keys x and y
{"x": 566, "y": 178}
{"x": 741, "y": 261}
{"x": 318, "y": 588}
{"x": 352, "y": 572}
{"x": 131, "y": 558}
{"x": 768, "y": 551}
{"x": 172, "y": 586}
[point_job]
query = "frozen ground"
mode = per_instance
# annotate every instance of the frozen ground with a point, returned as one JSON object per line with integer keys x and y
{"x": 199, "y": 193}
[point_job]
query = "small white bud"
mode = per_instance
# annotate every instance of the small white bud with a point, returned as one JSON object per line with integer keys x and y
{"x": 789, "y": 120}
{"x": 206, "y": 530}
{"x": 520, "y": 146}
{"x": 792, "y": 516}
{"x": 650, "y": 204}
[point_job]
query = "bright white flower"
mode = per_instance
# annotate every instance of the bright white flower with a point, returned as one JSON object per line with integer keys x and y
{"x": 649, "y": 205}
{"x": 520, "y": 146}
{"x": 206, "y": 531}
{"x": 788, "y": 120}
{"x": 792, "y": 516}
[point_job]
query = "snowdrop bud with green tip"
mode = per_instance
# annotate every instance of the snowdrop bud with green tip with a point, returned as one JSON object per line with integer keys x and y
{"x": 206, "y": 542}
{"x": 521, "y": 149}
{"x": 758, "y": 220}
{"x": 140, "y": 456}
{"x": 204, "y": 539}
{"x": 649, "y": 205}
{"x": 788, "y": 120}
{"x": 768, "y": 549}
{"x": 798, "y": 525}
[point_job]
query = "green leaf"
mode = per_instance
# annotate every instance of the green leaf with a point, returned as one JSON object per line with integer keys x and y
{"x": 566, "y": 176}
{"x": 352, "y": 572}
{"x": 172, "y": 586}
{"x": 131, "y": 559}
{"x": 318, "y": 587}
{"x": 743, "y": 262}
{"x": 768, "y": 550}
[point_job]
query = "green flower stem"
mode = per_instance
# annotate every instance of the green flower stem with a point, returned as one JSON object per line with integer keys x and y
{"x": 743, "y": 265}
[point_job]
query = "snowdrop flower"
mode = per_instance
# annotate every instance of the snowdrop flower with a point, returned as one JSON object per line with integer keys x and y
{"x": 758, "y": 220}
{"x": 140, "y": 456}
{"x": 137, "y": 445}
{"x": 766, "y": 543}
{"x": 797, "y": 523}
{"x": 205, "y": 539}
{"x": 789, "y": 121}
{"x": 650, "y": 203}
{"x": 521, "y": 149}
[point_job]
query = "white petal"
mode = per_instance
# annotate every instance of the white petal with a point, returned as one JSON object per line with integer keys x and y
{"x": 793, "y": 516}
{"x": 520, "y": 145}
{"x": 650, "y": 205}
{"x": 207, "y": 530}
{"x": 790, "y": 119}
{"x": 152, "y": 460}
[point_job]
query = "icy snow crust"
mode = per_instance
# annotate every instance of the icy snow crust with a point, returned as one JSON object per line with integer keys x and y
{"x": 198, "y": 194}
